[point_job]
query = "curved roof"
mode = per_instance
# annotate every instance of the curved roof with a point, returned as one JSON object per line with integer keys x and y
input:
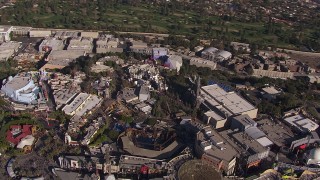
{"x": 315, "y": 154}
{"x": 26, "y": 141}
{"x": 225, "y": 54}
{"x": 110, "y": 177}
{"x": 211, "y": 50}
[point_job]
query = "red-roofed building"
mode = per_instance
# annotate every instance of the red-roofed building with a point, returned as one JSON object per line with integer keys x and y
{"x": 17, "y": 132}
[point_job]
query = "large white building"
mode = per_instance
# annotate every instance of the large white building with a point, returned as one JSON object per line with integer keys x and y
{"x": 20, "y": 89}
{"x": 5, "y": 33}
{"x": 39, "y": 33}
{"x": 108, "y": 44}
{"x": 82, "y": 104}
{"x": 215, "y": 54}
{"x": 222, "y": 104}
{"x": 301, "y": 123}
{"x": 81, "y": 43}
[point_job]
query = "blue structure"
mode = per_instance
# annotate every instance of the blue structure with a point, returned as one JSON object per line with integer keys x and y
{"x": 223, "y": 86}
{"x": 159, "y": 52}
{"x": 20, "y": 89}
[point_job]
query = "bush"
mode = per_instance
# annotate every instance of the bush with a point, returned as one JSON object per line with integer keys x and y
{"x": 151, "y": 122}
{"x": 112, "y": 134}
{"x": 126, "y": 119}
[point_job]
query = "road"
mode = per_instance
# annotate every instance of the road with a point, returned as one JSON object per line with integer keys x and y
{"x": 166, "y": 35}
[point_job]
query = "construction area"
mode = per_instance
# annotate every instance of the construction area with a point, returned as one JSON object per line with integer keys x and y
{"x": 196, "y": 169}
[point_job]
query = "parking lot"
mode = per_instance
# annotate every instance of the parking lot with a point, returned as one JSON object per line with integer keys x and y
{"x": 27, "y": 44}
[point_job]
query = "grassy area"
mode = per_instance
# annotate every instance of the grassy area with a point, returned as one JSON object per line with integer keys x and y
{"x": 143, "y": 17}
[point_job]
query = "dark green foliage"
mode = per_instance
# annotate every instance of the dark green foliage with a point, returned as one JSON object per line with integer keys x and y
{"x": 7, "y": 68}
{"x": 174, "y": 17}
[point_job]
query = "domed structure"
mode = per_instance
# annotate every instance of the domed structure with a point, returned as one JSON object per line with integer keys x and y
{"x": 315, "y": 153}
{"x": 313, "y": 156}
{"x": 224, "y": 55}
{"x": 110, "y": 177}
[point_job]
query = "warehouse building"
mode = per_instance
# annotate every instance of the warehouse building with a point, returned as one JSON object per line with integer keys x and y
{"x": 61, "y": 58}
{"x": 221, "y": 105}
{"x": 89, "y": 34}
{"x": 81, "y": 43}
{"x": 5, "y": 33}
{"x": 211, "y": 148}
{"x": 252, "y": 143}
{"x": 300, "y": 123}
{"x": 39, "y": 33}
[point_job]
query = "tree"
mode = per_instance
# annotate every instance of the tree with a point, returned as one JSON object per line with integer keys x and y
{"x": 249, "y": 69}
{"x": 126, "y": 119}
{"x": 151, "y": 121}
{"x": 112, "y": 134}
{"x": 11, "y": 35}
{"x": 254, "y": 48}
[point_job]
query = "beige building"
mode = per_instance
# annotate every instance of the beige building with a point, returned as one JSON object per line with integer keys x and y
{"x": 200, "y": 62}
{"x": 221, "y": 105}
{"x": 211, "y": 148}
{"x": 81, "y": 43}
{"x": 61, "y": 58}
{"x": 215, "y": 119}
{"x": 39, "y": 33}
{"x": 89, "y": 34}
{"x": 21, "y": 30}
{"x": 5, "y": 33}
{"x": 272, "y": 74}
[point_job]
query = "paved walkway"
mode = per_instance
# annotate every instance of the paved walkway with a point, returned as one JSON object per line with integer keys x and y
{"x": 285, "y": 165}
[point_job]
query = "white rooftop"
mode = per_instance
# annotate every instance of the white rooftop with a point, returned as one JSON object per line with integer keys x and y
{"x": 264, "y": 141}
{"x": 271, "y": 90}
{"x": 26, "y": 141}
{"x": 68, "y": 109}
{"x": 230, "y": 100}
{"x": 302, "y": 123}
{"x": 214, "y": 115}
{"x": 4, "y": 28}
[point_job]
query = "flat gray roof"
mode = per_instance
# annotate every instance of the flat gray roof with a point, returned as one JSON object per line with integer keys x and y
{"x": 222, "y": 150}
{"x": 279, "y": 134}
{"x": 64, "y": 57}
{"x": 230, "y": 100}
{"x": 128, "y": 161}
{"x": 271, "y": 90}
{"x": 245, "y": 120}
{"x": 18, "y": 82}
{"x": 75, "y": 103}
{"x": 53, "y": 42}
{"x": 246, "y": 142}
{"x": 214, "y": 115}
